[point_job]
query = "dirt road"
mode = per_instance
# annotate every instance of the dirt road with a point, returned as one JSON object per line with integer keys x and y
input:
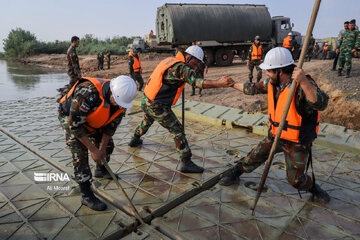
{"x": 343, "y": 111}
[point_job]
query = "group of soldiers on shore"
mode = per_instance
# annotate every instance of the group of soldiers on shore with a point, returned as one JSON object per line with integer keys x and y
{"x": 101, "y": 57}
{"x": 92, "y": 108}
{"x": 349, "y": 45}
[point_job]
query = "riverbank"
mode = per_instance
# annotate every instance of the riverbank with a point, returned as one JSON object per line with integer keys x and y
{"x": 344, "y": 111}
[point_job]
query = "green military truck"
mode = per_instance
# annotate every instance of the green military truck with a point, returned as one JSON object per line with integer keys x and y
{"x": 223, "y": 30}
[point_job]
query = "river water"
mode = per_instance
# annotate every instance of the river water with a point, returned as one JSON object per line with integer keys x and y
{"x": 19, "y": 81}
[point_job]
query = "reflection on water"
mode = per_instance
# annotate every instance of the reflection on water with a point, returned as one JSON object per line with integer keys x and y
{"x": 19, "y": 81}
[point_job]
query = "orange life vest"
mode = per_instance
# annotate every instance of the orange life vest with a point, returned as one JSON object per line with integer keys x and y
{"x": 156, "y": 90}
{"x": 326, "y": 47}
{"x": 256, "y": 52}
{"x": 100, "y": 117}
{"x": 286, "y": 42}
{"x": 137, "y": 62}
{"x": 296, "y": 128}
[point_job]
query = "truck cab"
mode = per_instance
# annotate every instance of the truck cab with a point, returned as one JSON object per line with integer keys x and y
{"x": 138, "y": 44}
{"x": 281, "y": 27}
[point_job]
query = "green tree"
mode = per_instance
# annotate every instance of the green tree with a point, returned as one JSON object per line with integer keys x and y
{"x": 19, "y": 43}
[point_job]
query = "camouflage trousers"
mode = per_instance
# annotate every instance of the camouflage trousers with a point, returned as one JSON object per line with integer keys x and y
{"x": 166, "y": 118}
{"x": 255, "y": 64}
{"x": 80, "y": 153}
{"x": 345, "y": 59}
{"x": 296, "y": 156}
{"x": 73, "y": 79}
{"x": 138, "y": 78}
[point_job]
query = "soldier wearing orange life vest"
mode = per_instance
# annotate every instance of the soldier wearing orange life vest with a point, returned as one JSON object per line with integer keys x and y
{"x": 135, "y": 68}
{"x": 301, "y": 126}
{"x": 256, "y": 52}
{"x": 89, "y": 114}
{"x": 163, "y": 89}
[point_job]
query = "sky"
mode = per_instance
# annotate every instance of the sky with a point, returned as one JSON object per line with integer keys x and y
{"x": 52, "y": 20}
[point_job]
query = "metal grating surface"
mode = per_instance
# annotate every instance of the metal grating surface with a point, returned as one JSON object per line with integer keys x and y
{"x": 149, "y": 174}
{"x": 224, "y": 212}
{"x": 29, "y": 211}
{"x": 150, "y": 177}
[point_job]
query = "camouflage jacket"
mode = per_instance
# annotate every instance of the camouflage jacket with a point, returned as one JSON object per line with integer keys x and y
{"x": 350, "y": 40}
{"x": 73, "y": 62}
{"x": 179, "y": 73}
{"x": 302, "y": 104}
{"x": 86, "y": 100}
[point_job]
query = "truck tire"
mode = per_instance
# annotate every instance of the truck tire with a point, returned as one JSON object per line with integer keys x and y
{"x": 224, "y": 57}
{"x": 209, "y": 54}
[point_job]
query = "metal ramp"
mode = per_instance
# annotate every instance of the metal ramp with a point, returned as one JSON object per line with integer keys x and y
{"x": 177, "y": 205}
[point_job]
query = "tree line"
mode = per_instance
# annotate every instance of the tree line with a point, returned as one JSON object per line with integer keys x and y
{"x": 21, "y": 43}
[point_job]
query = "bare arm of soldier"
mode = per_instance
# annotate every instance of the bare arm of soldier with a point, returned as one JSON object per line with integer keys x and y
{"x": 104, "y": 142}
{"x": 239, "y": 86}
{"x": 224, "y": 81}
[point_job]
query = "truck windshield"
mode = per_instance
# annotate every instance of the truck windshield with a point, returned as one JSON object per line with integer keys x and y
{"x": 285, "y": 25}
{"x": 136, "y": 42}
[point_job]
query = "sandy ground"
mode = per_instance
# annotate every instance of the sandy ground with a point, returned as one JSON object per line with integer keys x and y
{"x": 343, "y": 111}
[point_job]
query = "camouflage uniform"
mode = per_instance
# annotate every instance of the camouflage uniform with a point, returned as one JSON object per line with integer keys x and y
{"x": 310, "y": 49}
{"x": 85, "y": 100}
{"x": 176, "y": 75}
{"x": 73, "y": 65}
{"x": 108, "y": 59}
{"x": 200, "y": 71}
{"x": 255, "y": 88}
{"x": 296, "y": 154}
{"x": 255, "y": 64}
{"x": 100, "y": 59}
{"x": 316, "y": 50}
{"x": 349, "y": 40}
{"x": 135, "y": 75}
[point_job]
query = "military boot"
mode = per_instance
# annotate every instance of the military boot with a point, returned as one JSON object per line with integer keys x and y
{"x": 319, "y": 193}
{"x": 135, "y": 141}
{"x": 233, "y": 177}
{"x": 340, "y": 72}
{"x": 193, "y": 92}
{"x": 188, "y": 166}
{"x": 88, "y": 198}
{"x": 347, "y": 73}
{"x": 102, "y": 172}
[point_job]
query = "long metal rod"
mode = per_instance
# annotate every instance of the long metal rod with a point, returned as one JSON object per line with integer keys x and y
{"x": 183, "y": 108}
{"x": 131, "y": 205}
{"x": 288, "y": 102}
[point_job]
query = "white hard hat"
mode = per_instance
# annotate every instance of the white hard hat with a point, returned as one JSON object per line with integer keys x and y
{"x": 195, "y": 51}
{"x": 278, "y": 57}
{"x": 326, "y": 43}
{"x": 290, "y": 33}
{"x": 124, "y": 90}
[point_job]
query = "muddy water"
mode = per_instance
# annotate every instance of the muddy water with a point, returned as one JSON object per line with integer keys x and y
{"x": 19, "y": 81}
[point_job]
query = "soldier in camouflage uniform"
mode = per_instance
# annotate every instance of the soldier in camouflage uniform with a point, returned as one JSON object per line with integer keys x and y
{"x": 310, "y": 48}
{"x": 348, "y": 44}
{"x": 309, "y": 99}
{"x": 256, "y": 54}
{"x": 77, "y": 110}
{"x": 73, "y": 66}
{"x": 346, "y": 28}
{"x": 135, "y": 69}
{"x": 163, "y": 89}
{"x": 108, "y": 58}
